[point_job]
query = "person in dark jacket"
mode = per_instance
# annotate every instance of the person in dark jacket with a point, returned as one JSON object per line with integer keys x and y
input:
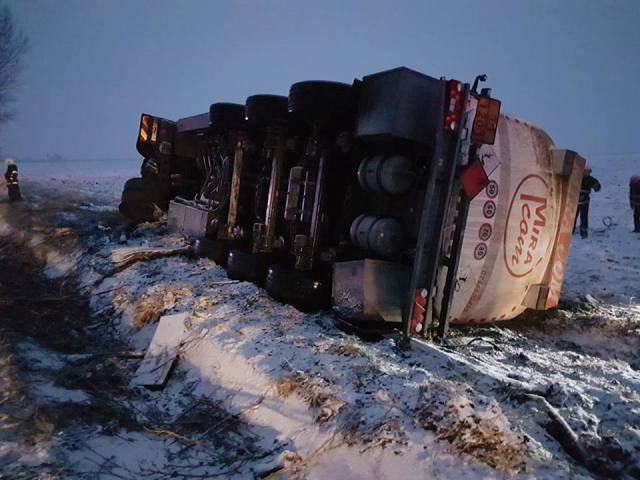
{"x": 634, "y": 200}
{"x": 11, "y": 177}
{"x": 588, "y": 183}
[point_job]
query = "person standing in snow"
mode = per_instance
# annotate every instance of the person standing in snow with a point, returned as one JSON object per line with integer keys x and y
{"x": 11, "y": 177}
{"x": 588, "y": 183}
{"x": 634, "y": 200}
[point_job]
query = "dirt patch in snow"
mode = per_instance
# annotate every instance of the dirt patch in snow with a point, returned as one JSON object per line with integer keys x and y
{"x": 474, "y": 425}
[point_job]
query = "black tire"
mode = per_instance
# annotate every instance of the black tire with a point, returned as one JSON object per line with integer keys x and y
{"x": 216, "y": 250}
{"x": 227, "y": 116}
{"x": 137, "y": 203}
{"x": 307, "y": 291}
{"x": 322, "y": 101}
{"x": 246, "y": 266}
{"x": 149, "y": 168}
{"x": 263, "y": 110}
{"x": 178, "y": 183}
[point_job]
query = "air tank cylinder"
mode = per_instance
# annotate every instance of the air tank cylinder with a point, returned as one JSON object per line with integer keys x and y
{"x": 383, "y": 235}
{"x": 392, "y": 175}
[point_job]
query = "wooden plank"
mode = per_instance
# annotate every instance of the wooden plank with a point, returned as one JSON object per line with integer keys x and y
{"x": 161, "y": 355}
{"x": 120, "y": 255}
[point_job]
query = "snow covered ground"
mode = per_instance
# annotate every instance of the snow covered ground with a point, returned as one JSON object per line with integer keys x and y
{"x": 607, "y": 265}
{"x": 262, "y": 390}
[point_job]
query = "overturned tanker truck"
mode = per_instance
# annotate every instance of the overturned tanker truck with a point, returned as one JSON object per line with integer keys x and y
{"x": 401, "y": 199}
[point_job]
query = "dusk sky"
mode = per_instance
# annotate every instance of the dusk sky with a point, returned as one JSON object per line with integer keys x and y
{"x": 570, "y": 67}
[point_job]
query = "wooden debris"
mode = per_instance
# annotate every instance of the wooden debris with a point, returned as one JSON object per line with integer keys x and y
{"x": 125, "y": 257}
{"x": 591, "y": 300}
{"x": 161, "y": 355}
{"x": 223, "y": 282}
{"x": 171, "y": 434}
{"x": 559, "y": 429}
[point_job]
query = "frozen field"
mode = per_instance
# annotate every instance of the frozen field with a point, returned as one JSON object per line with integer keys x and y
{"x": 64, "y": 168}
{"x": 264, "y": 391}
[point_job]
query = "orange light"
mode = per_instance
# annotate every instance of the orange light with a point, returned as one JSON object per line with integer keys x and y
{"x": 145, "y": 123}
{"x": 154, "y": 131}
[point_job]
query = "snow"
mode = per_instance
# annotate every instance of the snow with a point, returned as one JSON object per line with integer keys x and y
{"x": 607, "y": 265}
{"x": 36, "y": 356}
{"x": 52, "y": 392}
{"x": 318, "y": 403}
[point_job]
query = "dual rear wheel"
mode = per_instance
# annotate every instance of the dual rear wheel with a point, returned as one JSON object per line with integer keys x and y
{"x": 304, "y": 290}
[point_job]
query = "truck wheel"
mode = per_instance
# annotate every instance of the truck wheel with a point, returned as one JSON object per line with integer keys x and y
{"x": 215, "y": 250}
{"x": 137, "y": 201}
{"x": 262, "y": 110}
{"x": 305, "y": 290}
{"x": 178, "y": 184}
{"x": 225, "y": 116}
{"x": 149, "y": 168}
{"x": 246, "y": 266}
{"x": 318, "y": 100}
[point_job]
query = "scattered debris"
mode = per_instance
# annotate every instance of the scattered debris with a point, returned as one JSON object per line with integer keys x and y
{"x": 125, "y": 257}
{"x": 328, "y": 409}
{"x": 591, "y": 300}
{"x": 474, "y": 425}
{"x": 559, "y": 429}
{"x": 224, "y": 282}
{"x": 148, "y": 310}
{"x": 347, "y": 349}
{"x": 287, "y": 385}
{"x": 162, "y": 352}
{"x": 154, "y": 303}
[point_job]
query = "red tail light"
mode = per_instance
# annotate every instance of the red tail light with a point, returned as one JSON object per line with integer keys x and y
{"x": 454, "y": 104}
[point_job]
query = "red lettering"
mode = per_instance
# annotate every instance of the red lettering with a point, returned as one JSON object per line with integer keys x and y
{"x": 522, "y": 235}
{"x": 541, "y": 220}
{"x": 523, "y": 227}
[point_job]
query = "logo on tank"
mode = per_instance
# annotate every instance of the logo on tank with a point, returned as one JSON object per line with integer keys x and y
{"x": 525, "y": 236}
